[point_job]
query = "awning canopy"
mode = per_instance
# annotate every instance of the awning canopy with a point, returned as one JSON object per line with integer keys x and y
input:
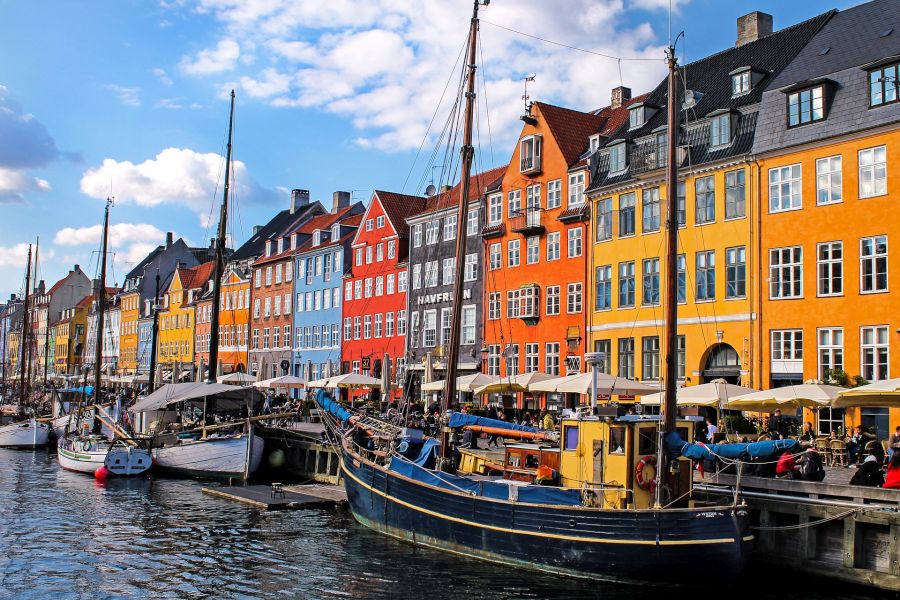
{"x": 809, "y": 395}
{"x": 514, "y": 383}
{"x": 879, "y": 394}
{"x": 284, "y": 382}
{"x": 174, "y": 393}
{"x": 708, "y": 394}
{"x": 353, "y": 380}
{"x": 464, "y": 383}
{"x": 236, "y": 378}
{"x": 318, "y": 383}
{"x": 606, "y": 385}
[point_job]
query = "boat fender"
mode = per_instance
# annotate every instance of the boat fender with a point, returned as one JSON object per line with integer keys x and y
{"x": 648, "y": 485}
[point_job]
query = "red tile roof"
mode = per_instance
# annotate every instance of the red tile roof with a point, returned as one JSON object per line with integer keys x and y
{"x": 398, "y": 207}
{"x": 197, "y": 276}
{"x": 616, "y": 117}
{"x": 570, "y": 128}
{"x": 479, "y": 183}
{"x": 85, "y": 302}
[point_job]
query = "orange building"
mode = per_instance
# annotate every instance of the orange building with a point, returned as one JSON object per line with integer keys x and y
{"x": 234, "y": 318}
{"x": 829, "y": 158}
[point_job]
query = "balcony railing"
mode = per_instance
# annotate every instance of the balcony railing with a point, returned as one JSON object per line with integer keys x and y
{"x": 528, "y": 221}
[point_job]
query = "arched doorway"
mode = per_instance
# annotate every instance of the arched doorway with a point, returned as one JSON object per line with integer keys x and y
{"x": 722, "y": 362}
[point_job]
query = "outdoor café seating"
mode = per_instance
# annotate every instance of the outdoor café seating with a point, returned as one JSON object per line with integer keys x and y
{"x": 839, "y": 453}
{"x": 823, "y": 447}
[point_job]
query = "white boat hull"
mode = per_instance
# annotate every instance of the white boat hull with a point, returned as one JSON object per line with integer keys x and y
{"x": 25, "y": 434}
{"x": 211, "y": 457}
{"x": 120, "y": 461}
{"x": 125, "y": 461}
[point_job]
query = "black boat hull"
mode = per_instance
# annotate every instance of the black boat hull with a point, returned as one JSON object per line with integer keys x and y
{"x": 646, "y": 546}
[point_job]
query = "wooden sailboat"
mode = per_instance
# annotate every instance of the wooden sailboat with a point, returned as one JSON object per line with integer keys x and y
{"x": 29, "y": 432}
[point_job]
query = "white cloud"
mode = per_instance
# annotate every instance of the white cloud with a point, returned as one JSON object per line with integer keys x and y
{"x": 177, "y": 103}
{"x": 162, "y": 76}
{"x": 14, "y": 256}
{"x": 212, "y": 61}
{"x": 658, "y": 4}
{"x": 129, "y": 96}
{"x": 14, "y": 184}
{"x": 24, "y": 144}
{"x": 174, "y": 176}
{"x": 119, "y": 233}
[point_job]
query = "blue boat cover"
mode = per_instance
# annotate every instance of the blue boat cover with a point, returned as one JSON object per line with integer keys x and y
{"x": 462, "y": 419}
{"x": 675, "y": 447}
{"x": 87, "y": 389}
{"x": 329, "y": 405}
{"x": 429, "y": 450}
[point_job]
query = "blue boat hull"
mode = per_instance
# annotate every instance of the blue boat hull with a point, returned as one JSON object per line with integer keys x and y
{"x": 655, "y": 546}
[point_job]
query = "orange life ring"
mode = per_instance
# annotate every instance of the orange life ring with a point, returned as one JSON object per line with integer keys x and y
{"x": 648, "y": 485}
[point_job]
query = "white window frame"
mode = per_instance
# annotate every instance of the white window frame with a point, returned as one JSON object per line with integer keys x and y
{"x": 829, "y": 269}
{"x": 495, "y": 209}
{"x": 553, "y": 251}
{"x": 873, "y": 165}
{"x": 532, "y": 250}
{"x": 829, "y": 180}
{"x": 873, "y": 258}
{"x": 826, "y": 346}
{"x": 787, "y": 178}
{"x": 875, "y": 345}
{"x": 575, "y": 245}
{"x": 513, "y": 253}
{"x": 495, "y": 256}
{"x": 574, "y": 298}
{"x": 786, "y": 271}
{"x": 554, "y": 193}
{"x": 576, "y": 189}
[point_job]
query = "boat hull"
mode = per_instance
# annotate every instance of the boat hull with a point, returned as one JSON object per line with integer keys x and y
{"x": 210, "y": 457}
{"x": 655, "y": 546}
{"x": 25, "y": 434}
{"x": 80, "y": 460}
{"x": 119, "y": 460}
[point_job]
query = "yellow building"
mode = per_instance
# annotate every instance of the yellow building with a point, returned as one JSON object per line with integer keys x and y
{"x": 176, "y": 324}
{"x": 70, "y": 337}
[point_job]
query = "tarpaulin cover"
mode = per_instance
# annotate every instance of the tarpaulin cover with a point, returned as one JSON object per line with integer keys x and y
{"x": 324, "y": 400}
{"x": 88, "y": 389}
{"x": 675, "y": 447}
{"x": 429, "y": 450}
{"x": 173, "y": 393}
{"x": 461, "y": 420}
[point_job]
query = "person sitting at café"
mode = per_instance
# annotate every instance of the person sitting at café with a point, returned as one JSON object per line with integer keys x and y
{"x": 868, "y": 474}
{"x": 711, "y": 430}
{"x": 892, "y": 478}
{"x": 855, "y": 445}
{"x": 547, "y": 421}
{"x": 787, "y": 468}
{"x": 776, "y": 425}
{"x": 807, "y": 436}
{"x": 811, "y": 466}
{"x": 894, "y": 442}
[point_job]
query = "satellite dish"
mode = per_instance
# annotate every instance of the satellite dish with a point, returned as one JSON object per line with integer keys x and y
{"x": 691, "y": 98}
{"x": 430, "y": 190}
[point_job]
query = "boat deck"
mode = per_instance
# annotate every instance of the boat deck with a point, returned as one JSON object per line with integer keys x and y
{"x": 293, "y": 497}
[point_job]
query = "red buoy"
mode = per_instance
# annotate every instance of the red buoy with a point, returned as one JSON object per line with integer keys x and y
{"x": 101, "y": 473}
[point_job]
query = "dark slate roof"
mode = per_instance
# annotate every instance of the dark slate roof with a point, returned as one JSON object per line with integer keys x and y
{"x": 398, "y": 207}
{"x": 280, "y": 224}
{"x": 138, "y": 270}
{"x": 711, "y": 76}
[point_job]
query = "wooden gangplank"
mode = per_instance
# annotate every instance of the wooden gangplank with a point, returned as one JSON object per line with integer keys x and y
{"x": 292, "y": 497}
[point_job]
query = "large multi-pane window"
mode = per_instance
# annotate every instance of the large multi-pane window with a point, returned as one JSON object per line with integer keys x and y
{"x": 448, "y": 271}
{"x": 786, "y": 272}
{"x": 650, "y": 358}
{"x": 388, "y": 325}
{"x": 495, "y": 260}
{"x": 512, "y": 253}
{"x": 872, "y": 172}
{"x": 494, "y": 306}
{"x": 830, "y": 268}
{"x": 532, "y": 250}
{"x": 450, "y": 228}
{"x": 604, "y": 349}
{"x": 574, "y": 238}
{"x": 829, "y": 176}
{"x": 785, "y": 188}
{"x": 603, "y": 223}
{"x": 495, "y": 209}
{"x": 603, "y": 297}
{"x": 468, "y": 325}
{"x": 787, "y": 344}
{"x": 650, "y": 209}
{"x": 626, "y": 284}
{"x": 735, "y": 272}
{"x": 446, "y": 315}
{"x": 650, "y": 282}
{"x": 831, "y": 351}
{"x": 806, "y": 106}
{"x": 533, "y": 196}
{"x": 883, "y": 85}
{"x": 429, "y": 328}
{"x": 514, "y": 202}
{"x": 573, "y": 298}
{"x": 735, "y": 195}
{"x": 554, "y": 193}
{"x": 551, "y": 358}
{"x": 720, "y": 130}
{"x": 873, "y": 264}
{"x": 706, "y": 275}
{"x": 553, "y": 245}
{"x": 617, "y": 162}
{"x": 432, "y": 230}
{"x": 512, "y": 359}
{"x": 493, "y": 364}
{"x": 705, "y": 189}
{"x": 553, "y": 293}
{"x": 431, "y": 274}
{"x": 470, "y": 272}
{"x": 471, "y": 224}
{"x": 874, "y": 352}
{"x": 576, "y": 189}
{"x": 626, "y": 214}
{"x": 532, "y": 356}
{"x": 626, "y": 357}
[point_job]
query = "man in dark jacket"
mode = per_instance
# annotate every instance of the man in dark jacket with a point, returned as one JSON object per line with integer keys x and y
{"x": 776, "y": 425}
{"x": 868, "y": 474}
{"x": 811, "y": 467}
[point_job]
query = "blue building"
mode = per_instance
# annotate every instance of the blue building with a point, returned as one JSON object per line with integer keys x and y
{"x": 320, "y": 264}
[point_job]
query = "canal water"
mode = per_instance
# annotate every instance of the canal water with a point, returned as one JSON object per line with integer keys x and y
{"x": 62, "y": 535}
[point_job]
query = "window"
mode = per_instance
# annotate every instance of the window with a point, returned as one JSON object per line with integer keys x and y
{"x": 257, "y": 279}
{"x": 278, "y": 305}
{"x": 494, "y": 258}
{"x": 706, "y": 275}
{"x": 872, "y": 172}
{"x": 379, "y": 287}
{"x": 617, "y": 158}
{"x": 401, "y": 322}
{"x": 256, "y": 338}
{"x": 554, "y": 193}
{"x": 514, "y": 203}
{"x": 626, "y": 214}
{"x": 268, "y": 308}
{"x": 266, "y": 338}
{"x": 626, "y": 284}
{"x": 830, "y": 268}
{"x": 388, "y": 324}
{"x": 735, "y": 272}
{"x": 532, "y": 356}
{"x": 874, "y": 350}
{"x": 359, "y": 260}
{"x": 468, "y": 325}
{"x": 368, "y": 258}
{"x": 347, "y": 329}
{"x": 401, "y": 282}
{"x": 720, "y": 130}
{"x": 357, "y": 328}
{"x": 367, "y": 326}
{"x": 551, "y": 358}
{"x": 787, "y": 344}
{"x": 552, "y": 300}
{"x": 357, "y": 291}
{"x": 735, "y": 197}
{"x": 368, "y": 287}
{"x": 786, "y": 272}
{"x": 636, "y": 117}
{"x": 650, "y": 209}
{"x": 681, "y": 278}
{"x": 553, "y": 246}
{"x": 370, "y": 224}
{"x": 432, "y": 230}
{"x": 740, "y": 83}
{"x": 626, "y": 357}
{"x": 533, "y": 196}
{"x": 532, "y": 250}
{"x": 495, "y": 209}
{"x": 529, "y": 302}
{"x": 494, "y": 306}
{"x": 450, "y": 228}
{"x": 416, "y": 276}
{"x": 471, "y": 222}
{"x": 493, "y": 360}
{"x": 681, "y": 198}
{"x": 573, "y": 298}
{"x": 576, "y": 189}
{"x": 379, "y": 252}
{"x": 574, "y": 235}
{"x": 603, "y": 299}
{"x": 831, "y": 419}
{"x": 276, "y": 337}
{"x": 379, "y": 222}
{"x": 431, "y": 274}
{"x": 448, "y": 271}
{"x": 831, "y": 352}
{"x": 806, "y": 106}
{"x": 268, "y": 275}
{"x": 680, "y": 356}
{"x": 379, "y": 319}
{"x": 512, "y": 253}
{"x": 391, "y": 253}
{"x": 417, "y": 238}
{"x": 873, "y": 264}
{"x": 883, "y": 84}
{"x": 660, "y": 157}
{"x": 336, "y": 297}
{"x": 530, "y": 154}
{"x": 429, "y": 328}
{"x": 784, "y": 188}
{"x": 512, "y": 359}
{"x": 256, "y": 308}
{"x": 829, "y": 188}
{"x": 604, "y": 219}
{"x": 650, "y": 282}
{"x": 650, "y": 358}
{"x": 471, "y": 267}
{"x": 705, "y": 189}
{"x": 348, "y": 295}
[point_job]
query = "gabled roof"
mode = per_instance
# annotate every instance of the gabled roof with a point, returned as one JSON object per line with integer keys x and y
{"x": 570, "y": 128}
{"x": 479, "y": 183}
{"x": 283, "y": 222}
{"x": 397, "y": 207}
{"x": 85, "y": 302}
{"x": 198, "y": 276}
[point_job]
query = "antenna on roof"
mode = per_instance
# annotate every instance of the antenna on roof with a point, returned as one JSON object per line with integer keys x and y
{"x": 525, "y": 96}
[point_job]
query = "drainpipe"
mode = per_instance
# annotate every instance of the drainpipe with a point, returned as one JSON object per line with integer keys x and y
{"x": 760, "y": 282}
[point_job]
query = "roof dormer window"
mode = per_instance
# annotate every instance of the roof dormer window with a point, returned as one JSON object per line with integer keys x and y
{"x": 806, "y": 106}
{"x": 293, "y": 241}
{"x": 530, "y": 154}
{"x": 741, "y": 83}
{"x": 268, "y": 247}
{"x": 617, "y": 159}
{"x": 636, "y": 117}
{"x": 335, "y": 231}
{"x": 317, "y": 237}
{"x": 720, "y": 129}
{"x": 594, "y": 143}
{"x": 280, "y": 245}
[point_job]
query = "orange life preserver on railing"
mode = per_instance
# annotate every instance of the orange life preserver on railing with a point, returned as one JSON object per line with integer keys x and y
{"x": 648, "y": 485}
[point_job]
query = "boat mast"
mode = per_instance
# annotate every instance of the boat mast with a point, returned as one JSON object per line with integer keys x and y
{"x": 101, "y": 302}
{"x": 220, "y": 260}
{"x": 151, "y": 381}
{"x": 671, "y": 308}
{"x": 23, "y": 341}
{"x": 467, "y": 154}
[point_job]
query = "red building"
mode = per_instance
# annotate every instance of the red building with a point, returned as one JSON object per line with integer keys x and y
{"x": 374, "y": 309}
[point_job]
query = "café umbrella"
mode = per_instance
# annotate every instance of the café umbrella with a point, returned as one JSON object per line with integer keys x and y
{"x": 711, "y": 394}
{"x": 513, "y": 384}
{"x": 878, "y": 394}
{"x": 606, "y": 384}
{"x": 464, "y": 383}
{"x": 807, "y": 395}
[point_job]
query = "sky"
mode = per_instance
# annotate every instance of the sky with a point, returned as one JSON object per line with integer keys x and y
{"x": 129, "y": 99}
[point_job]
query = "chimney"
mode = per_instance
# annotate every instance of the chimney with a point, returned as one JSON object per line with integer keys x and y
{"x": 256, "y": 229}
{"x": 299, "y": 198}
{"x": 753, "y": 26}
{"x": 620, "y": 95}
{"x": 446, "y": 188}
{"x": 339, "y": 200}
{"x": 95, "y": 286}
{"x": 76, "y": 268}
{"x": 169, "y": 238}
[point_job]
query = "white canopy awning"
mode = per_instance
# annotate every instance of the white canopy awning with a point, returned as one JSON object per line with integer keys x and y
{"x": 174, "y": 393}
{"x": 708, "y": 394}
{"x": 284, "y": 382}
{"x": 606, "y": 385}
{"x": 879, "y": 394}
{"x": 353, "y": 380}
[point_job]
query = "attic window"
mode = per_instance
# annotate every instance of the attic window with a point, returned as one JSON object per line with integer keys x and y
{"x": 530, "y": 154}
{"x": 740, "y": 83}
{"x": 335, "y": 232}
{"x": 617, "y": 162}
{"x": 806, "y": 106}
{"x": 594, "y": 142}
{"x": 268, "y": 247}
{"x": 636, "y": 117}
{"x": 883, "y": 85}
{"x": 293, "y": 241}
{"x": 720, "y": 129}
{"x": 280, "y": 245}
{"x": 317, "y": 237}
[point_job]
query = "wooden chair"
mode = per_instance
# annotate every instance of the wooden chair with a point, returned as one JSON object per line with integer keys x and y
{"x": 838, "y": 452}
{"x": 823, "y": 447}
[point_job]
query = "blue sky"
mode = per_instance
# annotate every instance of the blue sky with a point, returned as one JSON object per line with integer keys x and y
{"x": 130, "y": 96}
